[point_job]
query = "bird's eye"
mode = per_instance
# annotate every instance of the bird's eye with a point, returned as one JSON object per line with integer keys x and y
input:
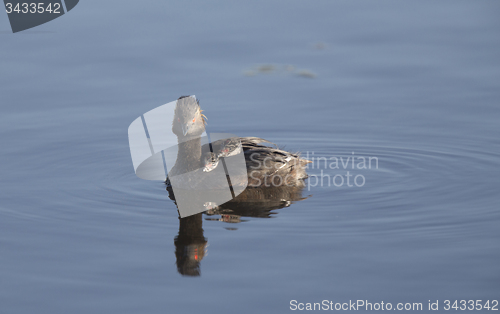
{"x": 194, "y": 119}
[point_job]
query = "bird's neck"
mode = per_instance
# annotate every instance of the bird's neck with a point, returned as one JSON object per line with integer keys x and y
{"x": 188, "y": 154}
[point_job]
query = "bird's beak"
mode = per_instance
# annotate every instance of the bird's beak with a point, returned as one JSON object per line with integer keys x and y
{"x": 185, "y": 129}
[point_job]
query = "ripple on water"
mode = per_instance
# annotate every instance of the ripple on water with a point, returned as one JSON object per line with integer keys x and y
{"x": 424, "y": 191}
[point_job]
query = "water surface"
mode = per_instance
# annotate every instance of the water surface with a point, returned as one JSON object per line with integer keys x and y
{"x": 414, "y": 85}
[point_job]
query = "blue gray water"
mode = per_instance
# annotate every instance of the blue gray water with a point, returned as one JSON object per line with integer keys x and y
{"x": 415, "y": 85}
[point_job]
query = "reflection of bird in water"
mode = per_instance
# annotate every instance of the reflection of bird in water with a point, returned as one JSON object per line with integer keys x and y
{"x": 190, "y": 245}
{"x": 257, "y": 202}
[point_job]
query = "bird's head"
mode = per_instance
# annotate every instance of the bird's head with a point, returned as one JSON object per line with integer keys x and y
{"x": 188, "y": 118}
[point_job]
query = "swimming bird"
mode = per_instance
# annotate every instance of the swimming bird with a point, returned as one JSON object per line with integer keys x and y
{"x": 267, "y": 165}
